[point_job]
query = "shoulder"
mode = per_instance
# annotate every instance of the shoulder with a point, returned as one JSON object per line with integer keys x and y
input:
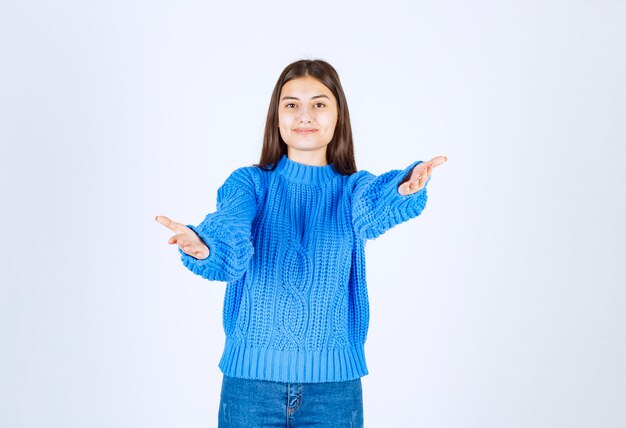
{"x": 245, "y": 178}
{"x": 248, "y": 174}
{"x": 358, "y": 179}
{"x": 242, "y": 175}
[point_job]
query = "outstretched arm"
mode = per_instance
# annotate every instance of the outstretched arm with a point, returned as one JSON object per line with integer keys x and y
{"x": 380, "y": 203}
{"x": 223, "y": 246}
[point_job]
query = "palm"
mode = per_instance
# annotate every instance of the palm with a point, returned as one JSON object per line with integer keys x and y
{"x": 186, "y": 238}
{"x": 418, "y": 177}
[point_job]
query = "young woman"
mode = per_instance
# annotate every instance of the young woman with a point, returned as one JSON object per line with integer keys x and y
{"x": 288, "y": 237}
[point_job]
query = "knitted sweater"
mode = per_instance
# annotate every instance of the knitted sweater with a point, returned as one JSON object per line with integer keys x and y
{"x": 290, "y": 245}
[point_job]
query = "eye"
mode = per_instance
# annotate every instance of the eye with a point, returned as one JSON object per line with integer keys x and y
{"x": 288, "y": 105}
{"x": 319, "y": 105}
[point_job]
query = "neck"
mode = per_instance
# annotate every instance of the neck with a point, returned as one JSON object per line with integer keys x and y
{"x": 312, "y": 158}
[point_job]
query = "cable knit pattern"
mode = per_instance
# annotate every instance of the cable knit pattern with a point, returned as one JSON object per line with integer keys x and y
{"x": 228, "y": 230}
{"x": 290, "y": 243}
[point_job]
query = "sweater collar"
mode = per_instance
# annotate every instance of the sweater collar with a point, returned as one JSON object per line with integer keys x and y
{"x": 302, "y": 173}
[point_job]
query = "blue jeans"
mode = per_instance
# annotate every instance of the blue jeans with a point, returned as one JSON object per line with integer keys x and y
{"x": 246, "y": 403}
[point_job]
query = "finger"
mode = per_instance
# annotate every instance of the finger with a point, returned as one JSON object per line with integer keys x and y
{"x": 165, "y": 221}
{"x": 189, "y": 249}
{"x": 417, "y": 170}
{"x": 424, "y": 176}
{"x": 181, "y": 239}
{"x": 193, "y": 251}
{"x": 420, "y": 177}
{"x": 416, "y": 183}
{"x": 436, "y": 161}
{"x": 426, "y": 167}
{"x": 405, "y": 188}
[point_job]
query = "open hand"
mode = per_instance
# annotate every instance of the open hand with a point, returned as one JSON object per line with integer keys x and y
{"x": 419, "y": 176}
{"x": 186, "y": 238}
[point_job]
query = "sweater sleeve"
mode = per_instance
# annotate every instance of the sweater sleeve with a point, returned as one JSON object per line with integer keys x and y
{"x": 377, "y": 206}
{"x": 227, "y": 231}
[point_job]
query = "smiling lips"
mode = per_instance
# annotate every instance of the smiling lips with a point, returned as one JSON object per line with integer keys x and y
{"x": 304, "y": 131}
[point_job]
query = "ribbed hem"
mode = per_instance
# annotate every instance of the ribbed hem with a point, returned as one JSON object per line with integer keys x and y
{"x": 330, "y": 365}
{"x": 305, "y": 174}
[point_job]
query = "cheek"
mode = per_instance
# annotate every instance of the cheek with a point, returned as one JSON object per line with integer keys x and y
{"x": 331, "y": 121}
{"x": 284, "y": 126}
{"x": 285, "y": 119}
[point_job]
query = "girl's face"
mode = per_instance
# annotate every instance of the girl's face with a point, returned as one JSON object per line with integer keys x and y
{"x": 307, "y": 115}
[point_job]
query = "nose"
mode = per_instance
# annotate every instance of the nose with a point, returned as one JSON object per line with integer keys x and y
{"x": 304, "y": 116}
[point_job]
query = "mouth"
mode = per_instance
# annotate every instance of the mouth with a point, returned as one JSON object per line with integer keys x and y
{"x": 304, "y": 131}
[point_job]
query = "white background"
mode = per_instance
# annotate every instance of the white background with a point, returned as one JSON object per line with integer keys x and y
{"x": 502, "y": 305}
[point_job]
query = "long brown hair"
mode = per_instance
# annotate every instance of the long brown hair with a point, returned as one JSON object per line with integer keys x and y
{"x": 340, "y": 150}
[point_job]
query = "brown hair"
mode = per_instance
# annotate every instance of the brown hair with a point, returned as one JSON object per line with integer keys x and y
{"x": 340, "y": 150}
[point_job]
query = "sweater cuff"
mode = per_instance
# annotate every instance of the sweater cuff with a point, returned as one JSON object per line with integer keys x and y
{"x": 404, "y": 207}
{"x": 225, "y": 250}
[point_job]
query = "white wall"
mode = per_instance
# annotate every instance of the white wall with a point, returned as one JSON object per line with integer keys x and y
{"x": 502, "y": 305}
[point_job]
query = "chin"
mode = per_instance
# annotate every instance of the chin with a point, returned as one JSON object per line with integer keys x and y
{"x": 307, "y": 149}
{"x": 308, "y": 146}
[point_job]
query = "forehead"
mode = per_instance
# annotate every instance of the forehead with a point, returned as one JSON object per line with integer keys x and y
{"x": 306, "y": 86}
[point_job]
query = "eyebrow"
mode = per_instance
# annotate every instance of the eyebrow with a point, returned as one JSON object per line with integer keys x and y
{"x": 296, "y": 98}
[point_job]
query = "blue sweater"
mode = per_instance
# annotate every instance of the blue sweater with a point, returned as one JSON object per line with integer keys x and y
{"x": 290, "y": 245}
